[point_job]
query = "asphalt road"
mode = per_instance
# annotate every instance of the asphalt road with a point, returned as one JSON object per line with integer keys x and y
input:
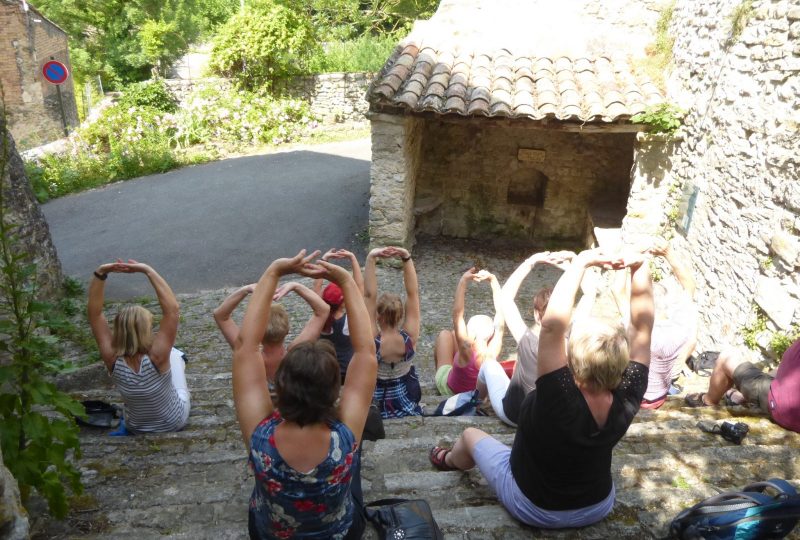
{"x": 219, "y": 224}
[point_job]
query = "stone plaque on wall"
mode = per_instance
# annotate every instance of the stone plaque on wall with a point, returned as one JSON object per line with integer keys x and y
{"x": 531, "y": 155}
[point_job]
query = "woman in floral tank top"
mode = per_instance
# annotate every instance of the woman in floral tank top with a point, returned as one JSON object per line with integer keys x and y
{"x": 304, "y": 452}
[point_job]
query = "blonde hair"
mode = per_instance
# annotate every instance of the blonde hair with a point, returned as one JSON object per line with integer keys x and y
{"x": 480, "y": 328}
{"x": 390, "y": 309}
{"x": 597, "y": 354}
{"x": 133, "y": 331}
{"x": 278, "y": 325}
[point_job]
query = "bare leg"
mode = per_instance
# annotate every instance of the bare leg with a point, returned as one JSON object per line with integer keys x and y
{"x": 461, "y": 455}
{"x": 445, "y": 348}
{"x": 722, "y": 375}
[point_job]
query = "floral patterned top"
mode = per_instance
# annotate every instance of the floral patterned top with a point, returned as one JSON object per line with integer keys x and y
{"x": 286, "y": 503}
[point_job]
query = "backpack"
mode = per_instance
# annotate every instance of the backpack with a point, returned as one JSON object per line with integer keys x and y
{"x": 463, "y": 404}
{"x": 741, "y": 515}
{"x": 704, "y": 363}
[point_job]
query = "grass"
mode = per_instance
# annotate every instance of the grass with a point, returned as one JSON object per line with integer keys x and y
{"x": 367, "y": 53}
{"x": 659, "y": 53}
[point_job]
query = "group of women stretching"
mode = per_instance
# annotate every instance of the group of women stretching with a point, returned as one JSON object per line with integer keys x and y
{"x": 302, "y": 409}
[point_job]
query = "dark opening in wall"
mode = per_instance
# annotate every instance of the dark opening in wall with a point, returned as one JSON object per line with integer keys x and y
{"x": 527, "y": 187}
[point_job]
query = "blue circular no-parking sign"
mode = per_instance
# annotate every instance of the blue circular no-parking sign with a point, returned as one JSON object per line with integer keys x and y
{"x": 55, "y": 72}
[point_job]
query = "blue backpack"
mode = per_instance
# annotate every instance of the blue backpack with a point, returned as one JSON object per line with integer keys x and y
{"x": 741, "y": 515}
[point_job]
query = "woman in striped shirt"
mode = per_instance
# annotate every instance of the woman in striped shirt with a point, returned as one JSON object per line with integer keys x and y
{"x": 144, "y": 366}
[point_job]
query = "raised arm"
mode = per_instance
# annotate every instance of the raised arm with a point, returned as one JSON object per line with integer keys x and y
{"x": 222, "y": 315}
{"x": 412, "y": 316}
{"x": 516, "y": 324}
{"x": 556, "y": 320}
{"x": 459, "y": 325}
{"x": 371, "y": 289}
{"x": 250, "y": 392}
{"x": 97, "y": 319}
{"x": 496, "y": 341}
{"x": 168, "y": 326}
{"x": 681, "y": 269}
{"x": 642, "y": 310}
{"x": 359, "y": 382}
{"x": 320, "y": 310}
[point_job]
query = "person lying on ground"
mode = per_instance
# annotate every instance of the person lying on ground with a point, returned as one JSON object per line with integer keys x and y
{"x": 148, "y": 372}
{"x": 460, "y": 352}
{"x": 273, "y": 346}
{"x": 396, "y": 330}
{"x": 778, "y": 395}
{"x": 336, "y": 329}
{"x": 675, "y": 331}
{"x": 304, "y": 451}
{"x": 506, "y": 394}
{"x": 558, "y": 473}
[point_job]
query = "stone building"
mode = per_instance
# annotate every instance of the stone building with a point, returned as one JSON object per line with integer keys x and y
{"x": 28, "y": 41}
{"x": 510, "y": 121}
{"x": 731, "y": 181}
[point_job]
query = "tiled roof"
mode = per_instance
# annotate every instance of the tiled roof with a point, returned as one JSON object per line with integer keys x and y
{"x": 424, "y": 78}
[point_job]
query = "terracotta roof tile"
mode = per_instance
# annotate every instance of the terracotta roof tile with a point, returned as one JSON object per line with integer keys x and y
{"x": 498, "y": 82}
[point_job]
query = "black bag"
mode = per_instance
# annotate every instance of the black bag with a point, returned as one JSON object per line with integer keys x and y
{"x": 99, "y": 414}
{"x": 463, "y": 404}
{"x": 741, "y": 515}
{"x": 403, "y": 519}
{"x": 703, "y": 364}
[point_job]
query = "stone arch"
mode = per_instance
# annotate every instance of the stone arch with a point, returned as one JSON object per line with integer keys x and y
{"x": 527, "y": 187}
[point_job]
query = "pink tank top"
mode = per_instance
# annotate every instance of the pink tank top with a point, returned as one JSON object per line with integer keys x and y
{"x": 463, "y": 379}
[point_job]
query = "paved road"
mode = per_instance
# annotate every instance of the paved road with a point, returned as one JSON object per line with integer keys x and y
{"x": 219, "y": 224}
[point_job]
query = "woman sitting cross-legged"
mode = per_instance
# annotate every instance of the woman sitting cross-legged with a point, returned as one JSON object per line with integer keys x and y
{"x": 460, "y": 352}
{"x": 558, "y": 473}
{"x": 506, "y": 394}
{"x": 145, "y": 368}
{"x": 305, "y": 452}
{"x": 273, "y": 346}
{"x": 396, "y": 330}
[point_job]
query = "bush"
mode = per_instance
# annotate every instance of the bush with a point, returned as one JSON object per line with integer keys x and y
{"x": 154, "y": 94}
{"x": 367, "y": 53}
{"x": 265, "y": 42}
{"x": 215, "y": 113}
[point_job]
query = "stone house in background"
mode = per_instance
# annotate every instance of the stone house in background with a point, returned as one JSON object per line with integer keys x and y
{"x": 510, "y": 120}
{"x": 27, "y": 41}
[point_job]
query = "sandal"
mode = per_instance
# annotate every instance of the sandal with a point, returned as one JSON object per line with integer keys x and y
{"x": 438, "y": 456}
{"x": 695, "y": 400}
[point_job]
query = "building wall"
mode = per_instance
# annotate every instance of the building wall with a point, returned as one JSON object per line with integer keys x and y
{"x": 741, "y": 151}
{"x": 28, "y": 41}
{"x": 472, "y": 182}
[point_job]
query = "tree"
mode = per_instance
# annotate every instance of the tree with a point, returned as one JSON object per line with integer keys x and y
{"x": 265, "y": 42}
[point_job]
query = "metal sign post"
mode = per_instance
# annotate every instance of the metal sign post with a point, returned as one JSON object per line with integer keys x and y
{"x": 57, "y": 73}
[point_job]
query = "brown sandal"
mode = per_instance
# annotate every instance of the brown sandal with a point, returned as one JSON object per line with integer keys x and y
{"x": 438, "y": 456}
{"x": 695, "y": 400}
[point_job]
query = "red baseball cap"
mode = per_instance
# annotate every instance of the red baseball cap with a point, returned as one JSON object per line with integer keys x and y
{"x": 333, "y": 295}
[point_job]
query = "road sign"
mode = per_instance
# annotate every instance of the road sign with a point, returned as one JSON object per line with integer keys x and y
{"x": 55, "y": 72}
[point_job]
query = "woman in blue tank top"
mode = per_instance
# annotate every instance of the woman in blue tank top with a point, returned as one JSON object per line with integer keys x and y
{"x": 304, "y": 452}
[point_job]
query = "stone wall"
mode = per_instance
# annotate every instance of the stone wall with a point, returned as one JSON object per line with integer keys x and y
{"x": 484, "y": 179}
{"x": 22, "y": 209}
{"x": 14, "y": 524}
{"x": 28, "y": 41}
{"x": 334, "y": 97}
{"x": 740, "y": 153}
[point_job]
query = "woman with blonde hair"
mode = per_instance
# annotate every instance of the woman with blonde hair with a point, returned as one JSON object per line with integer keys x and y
{"x": 558, "y": 473}
{"x": 303, "y": 449}
{"x": 396, "y": 330}
{"x": 144, "y": 366}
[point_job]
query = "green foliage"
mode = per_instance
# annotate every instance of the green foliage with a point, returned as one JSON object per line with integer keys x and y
{"x": 153, "y": 94}
{"x": 366, "y": 53}
{"x": 738, "y": 18}
{"x": 37, "y": 430}
{"x": 215, "y": 113}
{"x": 265, "y": 42}
{"x": 343, "y": 20}
{"x": 751, "y": 331}
{"x": 664, "y": 118}
{"x": 780, "y": 341}
{"x": 161, "y": 44}
{"x": 659, "y": 53}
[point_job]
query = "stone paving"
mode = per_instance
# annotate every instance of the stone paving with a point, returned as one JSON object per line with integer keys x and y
{"x": 195, "y": 483}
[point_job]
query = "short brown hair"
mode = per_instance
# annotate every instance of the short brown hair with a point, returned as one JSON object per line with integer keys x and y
{"x": 540, "y": 301}
{"x": 390, "y": 309}
{"x": 133, "y": 331}
{"x": 278, "y": 325}
{"x": 307, "y": 383}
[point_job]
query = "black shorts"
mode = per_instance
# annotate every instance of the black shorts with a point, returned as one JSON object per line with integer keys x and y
{"x": 753, "y": 384}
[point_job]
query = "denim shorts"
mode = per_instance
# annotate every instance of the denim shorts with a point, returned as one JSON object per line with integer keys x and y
{"x": 494, "y": 461}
